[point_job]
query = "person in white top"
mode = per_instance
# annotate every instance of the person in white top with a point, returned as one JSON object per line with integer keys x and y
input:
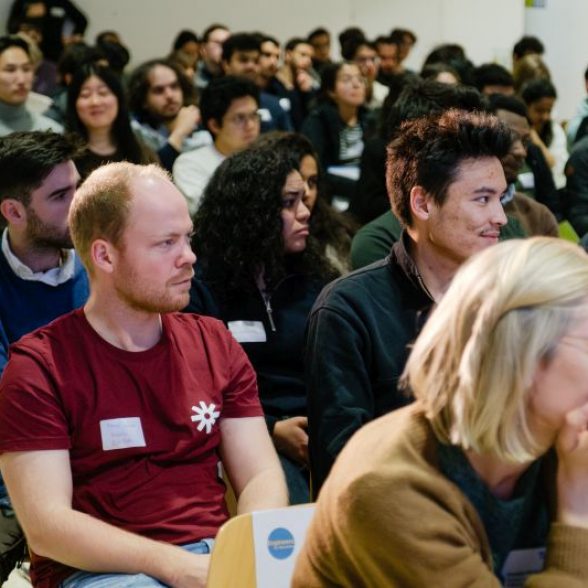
{"x": 229, "y": 108}
{"x": 539, "y": 96}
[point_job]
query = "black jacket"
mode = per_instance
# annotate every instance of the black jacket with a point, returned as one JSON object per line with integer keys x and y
{"x": 323, "y": 127}
{"x": 278, "y": 361}
{"x": 356, "y": 349}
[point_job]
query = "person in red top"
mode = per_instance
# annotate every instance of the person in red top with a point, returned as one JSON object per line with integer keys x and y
{"x": 113, "y": 418}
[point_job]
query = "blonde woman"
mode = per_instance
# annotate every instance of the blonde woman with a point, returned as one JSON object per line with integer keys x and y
{"x": 483, "y": 481}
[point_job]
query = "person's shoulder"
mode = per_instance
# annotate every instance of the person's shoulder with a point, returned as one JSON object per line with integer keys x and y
{"x": 188, "y": 158}
{"x": 355, "y": 285}
{"x": 202, "y": 156}
{"x": 6, "y": 272}
{"x": 44, "y": 123}
{"x": 392, "y": 450}
{"x": 580, "y": 148}
{"x": 196, "y": 325}
{"x": 61, "y": 331}
{"x": 322, "y": 113}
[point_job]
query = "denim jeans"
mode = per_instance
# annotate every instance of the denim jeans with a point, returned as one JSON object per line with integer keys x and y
{"x": 94, "y": 580}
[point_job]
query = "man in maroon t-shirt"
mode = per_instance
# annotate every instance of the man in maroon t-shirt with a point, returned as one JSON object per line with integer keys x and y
{"x": 113, "y": 417}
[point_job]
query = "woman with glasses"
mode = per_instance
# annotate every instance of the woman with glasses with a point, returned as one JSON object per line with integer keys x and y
{"x": 229, "y": 107}
{"x": 483, "y": 480}
{"x": 336, "y": 127}
{"x": 259, "y": 271}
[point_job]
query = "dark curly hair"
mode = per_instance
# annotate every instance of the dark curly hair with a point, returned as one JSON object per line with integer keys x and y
{"x": 139, "y": 84}
{"x": 328, "y": 226}
{"x": 238, "y": 227}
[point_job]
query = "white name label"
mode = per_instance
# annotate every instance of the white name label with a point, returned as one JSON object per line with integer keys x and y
{"x": 520, "y": 564}
{"x": 527, "y": 180}
{"x": 248, "y": 331}
{"x": 122, "y": 433}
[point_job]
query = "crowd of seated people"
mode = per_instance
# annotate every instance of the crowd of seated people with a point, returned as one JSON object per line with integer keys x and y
{"x": 178, "y": 308}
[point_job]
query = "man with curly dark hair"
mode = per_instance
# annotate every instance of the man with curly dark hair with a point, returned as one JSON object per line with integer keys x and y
{"x": 445, "y": 182}
{"x": 161, "y": 100}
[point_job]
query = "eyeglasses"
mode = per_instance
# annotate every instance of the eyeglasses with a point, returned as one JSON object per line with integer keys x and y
{"x": 242, "y": 118}
{"x": 349, "y": 80}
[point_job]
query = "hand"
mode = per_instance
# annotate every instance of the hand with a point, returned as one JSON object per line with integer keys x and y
{"x": 535, "y": 138}
{"x": 572, "y": 476}
{"x": 190, "y": 570}
{"x": 184, "y": 124}
{"x": 291, "y": 439}
{"x": 304, "y": 80}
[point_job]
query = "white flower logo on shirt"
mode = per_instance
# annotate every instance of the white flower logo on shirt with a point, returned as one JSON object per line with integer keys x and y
{"x": 205, "y": 415}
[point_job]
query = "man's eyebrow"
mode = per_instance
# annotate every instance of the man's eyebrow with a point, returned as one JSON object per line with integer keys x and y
{"x": 488, "y": 190}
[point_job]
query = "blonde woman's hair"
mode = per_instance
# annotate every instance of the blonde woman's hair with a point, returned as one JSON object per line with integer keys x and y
{"x": 100, "y": 207}
{"x": 475, "y": 360}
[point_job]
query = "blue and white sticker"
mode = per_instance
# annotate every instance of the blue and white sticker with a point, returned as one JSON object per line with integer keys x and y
{"x": 280, "y": 543}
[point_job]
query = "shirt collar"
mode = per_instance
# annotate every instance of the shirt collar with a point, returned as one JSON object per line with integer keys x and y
{"x": 53, "y": 277}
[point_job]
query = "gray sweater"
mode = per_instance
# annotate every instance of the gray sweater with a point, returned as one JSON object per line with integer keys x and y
{"x": 18, "y": 118}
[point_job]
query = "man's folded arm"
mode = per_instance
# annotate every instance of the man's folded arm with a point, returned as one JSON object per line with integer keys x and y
{"x": 40, "y": 486}
{"x": 252, "y": 464}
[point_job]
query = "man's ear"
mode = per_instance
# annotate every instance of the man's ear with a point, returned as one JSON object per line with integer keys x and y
{"x": 213, "y": 126}
{"x": 103, "y": 255}
{"x": 420, "y": 203}
{"x": 13, "y": 211}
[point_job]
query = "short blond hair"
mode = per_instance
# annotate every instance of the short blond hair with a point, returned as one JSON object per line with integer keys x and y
{"x": 100, "y": 207}
{"x": 476, "y": 358}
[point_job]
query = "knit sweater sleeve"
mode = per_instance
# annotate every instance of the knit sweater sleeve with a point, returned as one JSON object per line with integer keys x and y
{"x": 566, "y": 563}
{"x": 396, "y": 522}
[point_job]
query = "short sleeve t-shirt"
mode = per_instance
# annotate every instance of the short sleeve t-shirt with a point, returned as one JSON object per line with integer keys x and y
{"x": 142, "y": 428}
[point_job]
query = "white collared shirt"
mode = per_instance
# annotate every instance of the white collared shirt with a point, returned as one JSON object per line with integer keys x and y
{"x": 53, "y": 277}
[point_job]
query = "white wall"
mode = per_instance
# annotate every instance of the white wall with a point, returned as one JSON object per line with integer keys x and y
{"x": 487, "y": 29}
{"x": 561, "y": 26}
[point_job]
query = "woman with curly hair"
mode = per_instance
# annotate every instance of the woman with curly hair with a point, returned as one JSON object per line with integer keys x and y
{"x": 260, "y": 272}
{"x": 332, "y": 230}
{"x": 97, "y": 112}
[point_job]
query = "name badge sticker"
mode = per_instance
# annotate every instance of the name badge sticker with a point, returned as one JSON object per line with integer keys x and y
{"x": 248, "y": 331}
{"x": 527, "y": 180}
{"x": 265, "y": 115}
{"x": 520, "y": 564}
{"x": 122, "y": 433}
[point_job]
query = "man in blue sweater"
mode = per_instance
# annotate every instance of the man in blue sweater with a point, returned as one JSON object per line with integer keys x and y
{"x": 41, "y": 277}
